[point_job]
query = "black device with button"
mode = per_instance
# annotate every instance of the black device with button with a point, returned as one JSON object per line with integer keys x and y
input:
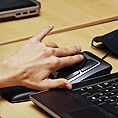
{"x": 91, "y": 66}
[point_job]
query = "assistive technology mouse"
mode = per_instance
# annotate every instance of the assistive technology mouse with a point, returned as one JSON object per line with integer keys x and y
{"x": 91, "y": 66}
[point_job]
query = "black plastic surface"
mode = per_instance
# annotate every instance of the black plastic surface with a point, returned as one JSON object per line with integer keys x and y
{"x": 85, "y": 113}
{"x": 61, "y": 102}
{"x": 16, "y": 93}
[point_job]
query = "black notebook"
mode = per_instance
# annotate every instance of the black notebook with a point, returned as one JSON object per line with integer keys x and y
{"x": 95, "y": 98}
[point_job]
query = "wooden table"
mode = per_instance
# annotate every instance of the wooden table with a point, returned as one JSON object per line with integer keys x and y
{"x": 63, "y": 14}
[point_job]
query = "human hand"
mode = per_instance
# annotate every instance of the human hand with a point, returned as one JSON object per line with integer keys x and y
{"x": 32, "y": 64}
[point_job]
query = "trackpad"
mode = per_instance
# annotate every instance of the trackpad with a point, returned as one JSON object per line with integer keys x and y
{"x": 85, "y": 113}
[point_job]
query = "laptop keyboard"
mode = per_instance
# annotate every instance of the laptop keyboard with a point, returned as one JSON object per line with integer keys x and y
{"x": 104, "y": 94}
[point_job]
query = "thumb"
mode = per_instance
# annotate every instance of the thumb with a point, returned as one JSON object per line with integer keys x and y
{"x": 56, "y": 83}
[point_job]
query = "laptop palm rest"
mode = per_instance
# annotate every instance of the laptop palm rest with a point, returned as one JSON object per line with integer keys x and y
{"x": 83, "y": 113}
{"x": 59, "y": 102}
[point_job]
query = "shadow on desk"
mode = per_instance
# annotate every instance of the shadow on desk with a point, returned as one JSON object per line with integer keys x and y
{"x": 1, "y": 99}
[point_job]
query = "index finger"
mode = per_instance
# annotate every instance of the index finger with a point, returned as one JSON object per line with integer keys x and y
{"x": 70, "y": 60}
{"x": 39, "y": 37}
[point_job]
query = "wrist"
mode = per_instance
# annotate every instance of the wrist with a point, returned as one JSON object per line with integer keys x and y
{"x": 7, "y": 74}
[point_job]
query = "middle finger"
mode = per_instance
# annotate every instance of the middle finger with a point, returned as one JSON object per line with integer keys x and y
{"x": 62, "y": 52}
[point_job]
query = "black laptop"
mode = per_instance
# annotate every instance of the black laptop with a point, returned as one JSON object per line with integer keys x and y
{"x": 94, "y": 98}
{"x": 91, "y": 97}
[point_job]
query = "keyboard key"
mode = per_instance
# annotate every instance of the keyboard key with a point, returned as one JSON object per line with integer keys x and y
{"x": 104, "y": 94}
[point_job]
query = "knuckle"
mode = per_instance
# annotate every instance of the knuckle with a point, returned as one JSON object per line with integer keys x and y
{"x": 42, "y": 44}
{"x": 71, "y": 60}
{"x": 52, "y": 51}
{"x": 48, "y": 52}
{"x": 66, "y": 50}
{"x": 60, "y": 84}
{"x": 56, "y": 61}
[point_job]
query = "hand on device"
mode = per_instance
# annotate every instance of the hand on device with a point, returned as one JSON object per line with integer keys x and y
{"x": 32, "y": 64}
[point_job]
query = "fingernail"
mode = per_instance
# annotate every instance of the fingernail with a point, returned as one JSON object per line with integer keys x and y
{"x": 81, "y": 56}
{"x": 68, "y": 86}
{"x": 79, "y": 48}
{"x": 52, "y": 26}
